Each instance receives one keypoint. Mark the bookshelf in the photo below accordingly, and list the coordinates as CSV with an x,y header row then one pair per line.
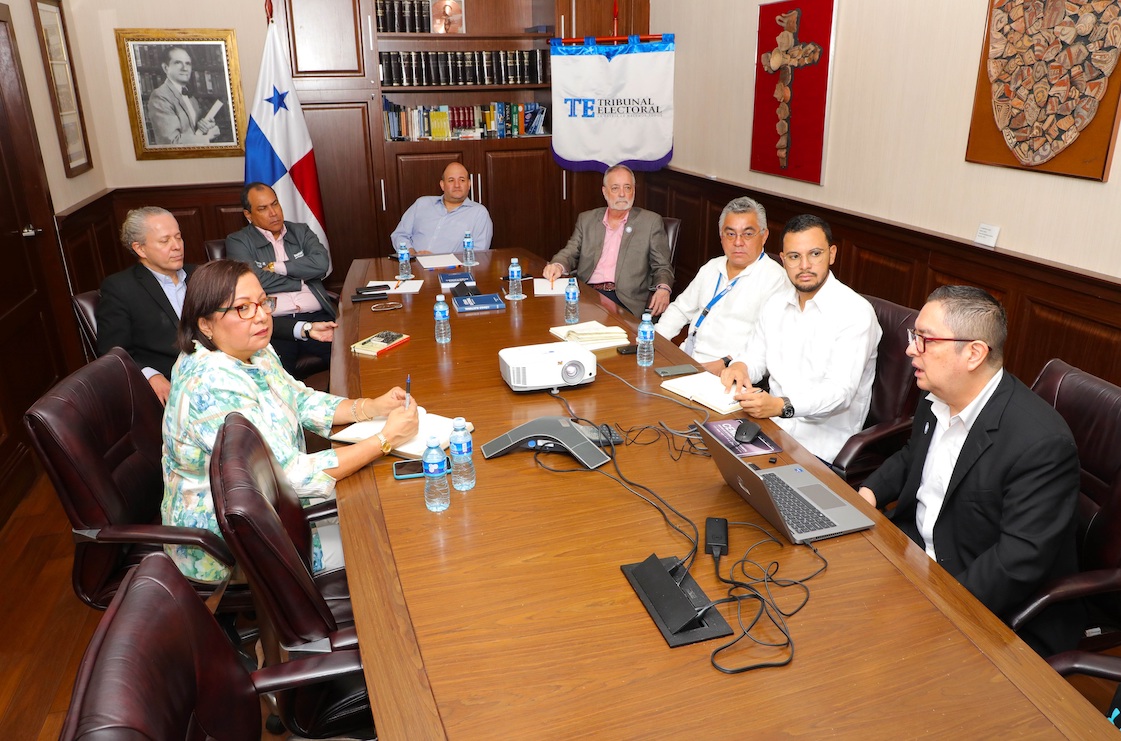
x,y
481,98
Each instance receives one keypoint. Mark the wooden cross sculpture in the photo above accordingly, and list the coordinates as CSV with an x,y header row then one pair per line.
x,y
788,55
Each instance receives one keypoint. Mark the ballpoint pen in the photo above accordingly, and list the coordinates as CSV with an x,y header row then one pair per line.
x,y
398,284
408,388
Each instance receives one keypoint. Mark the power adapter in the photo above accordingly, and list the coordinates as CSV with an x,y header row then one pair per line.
x,y
716,536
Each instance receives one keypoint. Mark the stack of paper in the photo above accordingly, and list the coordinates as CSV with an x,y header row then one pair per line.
x,y
591,335
545,287
430,424
704,388
431,262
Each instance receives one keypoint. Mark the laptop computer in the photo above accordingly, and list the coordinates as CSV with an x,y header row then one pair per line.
x,y
791,498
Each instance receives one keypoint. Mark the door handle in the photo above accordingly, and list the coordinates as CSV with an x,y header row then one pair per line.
x,y
28,231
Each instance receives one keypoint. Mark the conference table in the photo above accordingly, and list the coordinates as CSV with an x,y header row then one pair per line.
x,y
508,616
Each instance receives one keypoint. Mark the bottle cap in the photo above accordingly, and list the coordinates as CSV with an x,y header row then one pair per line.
x,y
646,317
440,298
459,422
433,441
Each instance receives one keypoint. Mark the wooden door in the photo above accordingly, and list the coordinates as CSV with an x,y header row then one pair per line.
x,y
33,332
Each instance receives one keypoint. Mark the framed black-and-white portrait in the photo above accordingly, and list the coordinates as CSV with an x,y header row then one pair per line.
x,y
183,88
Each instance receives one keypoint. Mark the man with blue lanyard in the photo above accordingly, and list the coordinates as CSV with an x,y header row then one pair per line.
x,y
720,306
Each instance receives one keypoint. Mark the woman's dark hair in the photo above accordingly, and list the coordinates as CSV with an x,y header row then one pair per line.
x,y
209,288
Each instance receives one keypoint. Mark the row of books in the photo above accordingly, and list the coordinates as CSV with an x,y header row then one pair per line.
x,y
495,120
403,16
434,68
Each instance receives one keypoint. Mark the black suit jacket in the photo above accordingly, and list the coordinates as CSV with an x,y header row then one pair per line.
x,y
308,260
1008,522
133,313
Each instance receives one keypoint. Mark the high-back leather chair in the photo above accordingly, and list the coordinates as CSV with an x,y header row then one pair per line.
x,y
159,667
267,529
85,308
1092,409
98,436
215,249
673,230
894,398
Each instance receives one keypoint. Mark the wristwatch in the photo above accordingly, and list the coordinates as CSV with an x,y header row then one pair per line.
x,y
787,408
386,446
307,330
727,360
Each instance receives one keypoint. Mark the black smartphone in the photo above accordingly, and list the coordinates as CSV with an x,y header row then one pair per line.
x,y
675,370
410,469
627,350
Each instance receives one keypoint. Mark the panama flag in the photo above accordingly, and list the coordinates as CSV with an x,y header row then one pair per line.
x,y
277,145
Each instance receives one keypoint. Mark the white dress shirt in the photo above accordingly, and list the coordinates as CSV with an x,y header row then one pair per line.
x,y
726,328
822,358
942,456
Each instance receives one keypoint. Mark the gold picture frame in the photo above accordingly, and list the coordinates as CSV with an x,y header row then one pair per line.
x,y
65,100
205,116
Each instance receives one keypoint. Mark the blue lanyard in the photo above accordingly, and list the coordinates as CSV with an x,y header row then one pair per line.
x,y
717,295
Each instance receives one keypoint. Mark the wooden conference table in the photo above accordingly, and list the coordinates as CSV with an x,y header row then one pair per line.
x,y
507,616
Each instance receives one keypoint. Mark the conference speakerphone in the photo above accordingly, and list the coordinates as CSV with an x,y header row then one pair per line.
x,y
561,432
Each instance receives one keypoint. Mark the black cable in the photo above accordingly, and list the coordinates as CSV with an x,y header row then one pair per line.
x,y
760,588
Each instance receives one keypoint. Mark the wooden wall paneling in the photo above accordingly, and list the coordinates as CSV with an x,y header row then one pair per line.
x,y
521,188
347,165
693,249
191,226
882,268
594,17
229,219
326,37
1052,330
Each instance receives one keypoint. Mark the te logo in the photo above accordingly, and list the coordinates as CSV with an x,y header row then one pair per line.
x,y
587,107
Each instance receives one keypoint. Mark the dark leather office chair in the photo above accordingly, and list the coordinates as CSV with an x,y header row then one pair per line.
x,y
158,667
673,230
85,308
1092,410
267,529
894,398
98,436
215,249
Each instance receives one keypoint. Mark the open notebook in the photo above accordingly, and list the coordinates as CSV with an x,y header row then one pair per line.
x,y
703,388
591,335
430,424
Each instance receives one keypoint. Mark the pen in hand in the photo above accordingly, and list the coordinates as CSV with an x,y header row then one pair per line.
x,y
408,388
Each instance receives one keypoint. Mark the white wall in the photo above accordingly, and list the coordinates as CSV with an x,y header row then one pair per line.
x,y
90,24
900,102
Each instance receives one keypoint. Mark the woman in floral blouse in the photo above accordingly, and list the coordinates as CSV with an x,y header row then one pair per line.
x,y
227,366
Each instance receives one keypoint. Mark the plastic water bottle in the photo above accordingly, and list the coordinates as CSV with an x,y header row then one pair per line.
x,y
463,468
437,496
405,268
443,326
571,302
468,250
515,289
646,342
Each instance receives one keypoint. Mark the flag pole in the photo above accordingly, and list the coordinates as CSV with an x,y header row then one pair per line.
x,y
268,11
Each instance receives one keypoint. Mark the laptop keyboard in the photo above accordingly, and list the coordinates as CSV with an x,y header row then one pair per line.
x,y
800,516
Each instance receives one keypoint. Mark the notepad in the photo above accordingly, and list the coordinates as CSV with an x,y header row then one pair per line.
x,y
703,388
541,287
430,425
591,335
431,262
407,286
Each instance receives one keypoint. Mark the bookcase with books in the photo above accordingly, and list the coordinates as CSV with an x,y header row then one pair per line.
x,y
470,81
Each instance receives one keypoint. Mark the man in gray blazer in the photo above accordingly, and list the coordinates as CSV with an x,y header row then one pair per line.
x,y
620,251
174,113
291,264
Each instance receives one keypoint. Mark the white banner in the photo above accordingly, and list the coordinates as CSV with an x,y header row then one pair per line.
x,y
613,104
